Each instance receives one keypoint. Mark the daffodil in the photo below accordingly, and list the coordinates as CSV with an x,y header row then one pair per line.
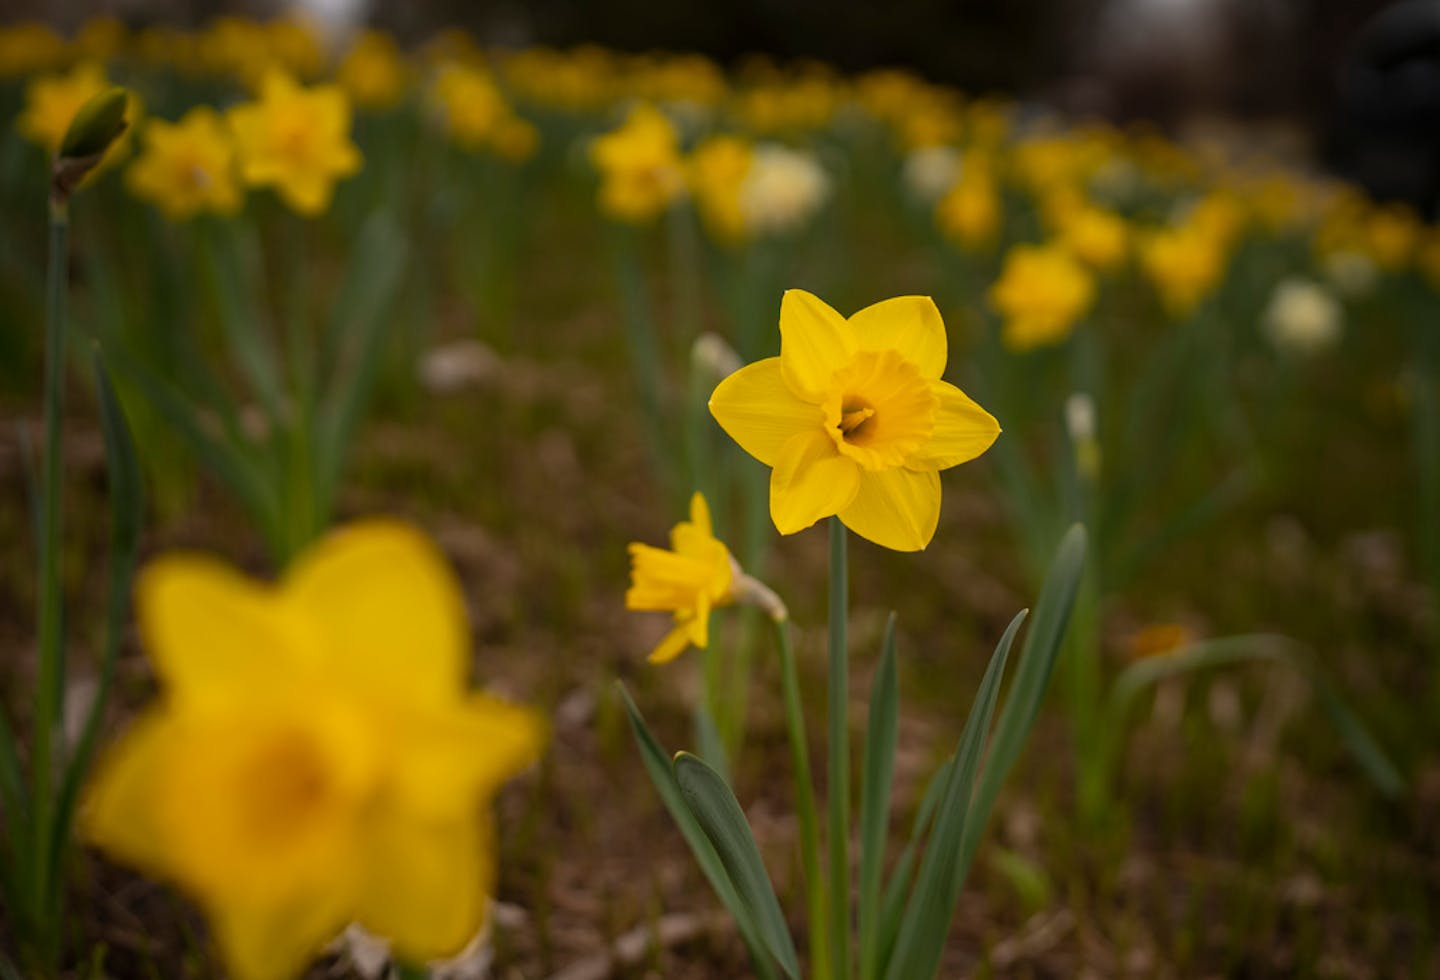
x,y
1041,292
373,72
187,167
641,171
296,140
316,757
970,212
1095,236
1185,264
690,579
854,418
473,111
717,170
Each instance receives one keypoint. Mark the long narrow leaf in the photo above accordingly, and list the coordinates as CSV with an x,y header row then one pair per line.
x,y
241,320
224,460
657,764
360,317
720,816
1032,677
897,889
879,769
926,923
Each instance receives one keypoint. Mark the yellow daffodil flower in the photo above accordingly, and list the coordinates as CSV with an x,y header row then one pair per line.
x,y
970,212
1095,236
187,167
717,171
474,113
296,140
1185,265
316,757
1041,292
373,72
693,577
641,171
51,103
854,418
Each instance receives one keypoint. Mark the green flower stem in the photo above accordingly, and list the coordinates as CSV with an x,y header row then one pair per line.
x,y
838,791
51,680
804,804
409,971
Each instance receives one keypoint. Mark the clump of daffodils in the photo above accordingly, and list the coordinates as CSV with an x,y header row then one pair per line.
x,y
187,168
782,190
855,419
694,576
641,171
1042,291
296,140
1303,317
317,757
476,115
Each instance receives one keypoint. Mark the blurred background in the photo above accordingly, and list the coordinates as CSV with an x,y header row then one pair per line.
x,y
1351,84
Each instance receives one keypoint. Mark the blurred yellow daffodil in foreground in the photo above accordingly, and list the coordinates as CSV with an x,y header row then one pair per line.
x,y
187,167
296,140
854,418
316,757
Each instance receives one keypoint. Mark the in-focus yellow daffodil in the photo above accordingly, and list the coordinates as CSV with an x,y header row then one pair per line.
x,y
296,140
316,757
1041,292
187,167
690,579
641,171
373,72
854,418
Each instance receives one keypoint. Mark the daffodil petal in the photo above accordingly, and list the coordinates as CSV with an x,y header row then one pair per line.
x,y
116,813
897,509
963,430
909,325
390,608
274,940
815,342
700,514
427,885
757,408
811,481
676,642
247,637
